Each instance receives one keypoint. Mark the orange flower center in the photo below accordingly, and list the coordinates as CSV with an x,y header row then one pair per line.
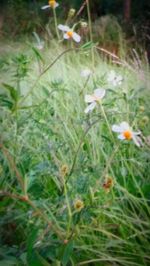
x,y
52,3
127,134
96,98
70,34
108,184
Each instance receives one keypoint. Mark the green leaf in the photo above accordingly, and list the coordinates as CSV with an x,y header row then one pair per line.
x,y
87,45
42,260
31,240
6,102
8,262
37,54
12,91
67,253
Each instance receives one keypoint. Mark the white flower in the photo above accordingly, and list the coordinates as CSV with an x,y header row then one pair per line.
x,y
114,79
69,33
51,3
86,73
94,99
126,133
40,46
39,43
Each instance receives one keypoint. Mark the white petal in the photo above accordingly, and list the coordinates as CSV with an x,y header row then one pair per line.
x,y
136,133
124,126
76,37
121,136
116,128
119,78
137,140
66,36
111,75
45,7
63,27
56,5
86,73
90,107
100,93
89,98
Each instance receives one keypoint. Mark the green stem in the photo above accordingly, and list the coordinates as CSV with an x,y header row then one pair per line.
x,y
84,86
105,117
109,161
90,28
56,24
79,146
43,72
69,210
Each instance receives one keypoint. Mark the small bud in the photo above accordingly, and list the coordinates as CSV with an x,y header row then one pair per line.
x,y
71,13
66,241
83,24
141,108
78,205
145,119
64,170
108,184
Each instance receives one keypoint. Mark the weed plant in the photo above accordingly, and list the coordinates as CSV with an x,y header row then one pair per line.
x,y
71,192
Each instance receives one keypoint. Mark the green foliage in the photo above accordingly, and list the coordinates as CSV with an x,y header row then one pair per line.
x,y
71,192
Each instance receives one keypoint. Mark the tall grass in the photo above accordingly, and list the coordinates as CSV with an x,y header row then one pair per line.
x,y
52,155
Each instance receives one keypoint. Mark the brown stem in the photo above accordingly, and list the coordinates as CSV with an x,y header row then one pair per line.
x,y
39,212
13,166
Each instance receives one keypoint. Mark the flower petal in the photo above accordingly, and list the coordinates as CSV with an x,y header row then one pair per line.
x,y
76,37
45,7
90,107
86,73
121,136
66,36
116,128
136,133
137,140
100,93
56,5
124,126
111,76
63,27
89,98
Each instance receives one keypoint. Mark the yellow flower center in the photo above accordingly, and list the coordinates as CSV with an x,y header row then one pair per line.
x,y
52,3
70,34
127,134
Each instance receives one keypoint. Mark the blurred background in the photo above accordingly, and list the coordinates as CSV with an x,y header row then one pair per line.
x,y
114,21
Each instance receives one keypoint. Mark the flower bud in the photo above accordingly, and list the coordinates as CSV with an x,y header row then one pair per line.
x,y
71,13
83,24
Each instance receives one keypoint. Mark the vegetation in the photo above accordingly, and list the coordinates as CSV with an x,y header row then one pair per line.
x,y
71,191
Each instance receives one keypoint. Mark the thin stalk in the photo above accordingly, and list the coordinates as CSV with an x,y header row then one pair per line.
x,y
39,212
106,120
79,146
84,86
90,29
56,24
69,210
43,72
110,160
13,167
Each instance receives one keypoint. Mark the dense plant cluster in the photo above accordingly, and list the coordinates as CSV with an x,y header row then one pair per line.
x,y
74,147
